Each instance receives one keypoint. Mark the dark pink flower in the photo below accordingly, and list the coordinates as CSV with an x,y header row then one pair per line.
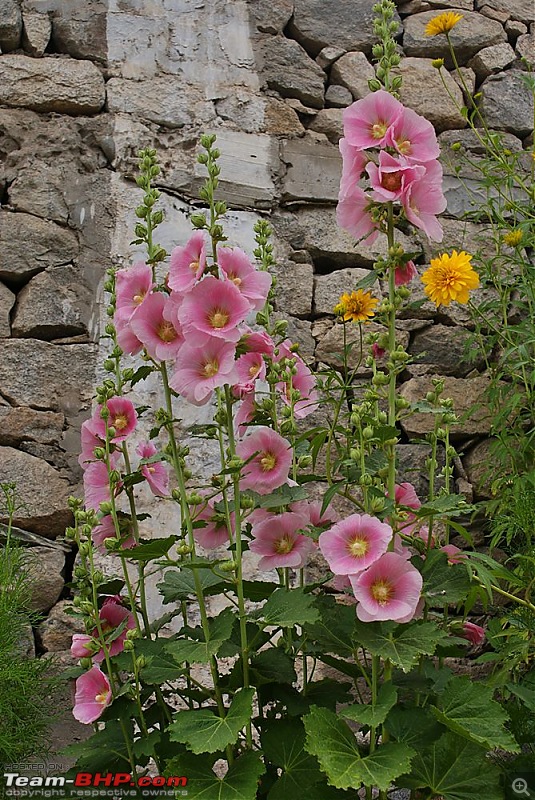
x,y
213,308
353,163
269,458
246,411
353,215
254,284
126,338
151,324
414,137
389,589
106,530
404,273
96,485
354,543
215,533
256,341
474,633
311,511
405,495
369,122
249,368
90,441
112,615
199,369
187,263
377,351
122,418
391,177
279,542
155,473
93,694
82,646
132,285
455,554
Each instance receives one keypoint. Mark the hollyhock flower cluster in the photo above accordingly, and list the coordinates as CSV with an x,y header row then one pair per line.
x,y
385,584
278,539
112,615
394,151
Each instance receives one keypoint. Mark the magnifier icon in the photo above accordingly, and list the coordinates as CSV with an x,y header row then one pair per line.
x,y
520,786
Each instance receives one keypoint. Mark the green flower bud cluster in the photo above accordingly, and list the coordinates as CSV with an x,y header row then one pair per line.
x,y
385,51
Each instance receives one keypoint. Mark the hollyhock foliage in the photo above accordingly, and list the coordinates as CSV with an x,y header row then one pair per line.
x,y
278,540
354,543
268,456
92,696
388,590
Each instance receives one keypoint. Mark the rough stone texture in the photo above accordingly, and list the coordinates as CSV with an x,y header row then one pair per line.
x,y
329,121
45,567
525,48
338,97
25,645
411,461
165,101
477,462
57,630
288,69
465,393
469,79
494,13
328,56
10,25
51,84
329,288
34,245
80,29
462,235
522,10
40,189
443,350
53,304
41,493
515,28
313,171
316,24
300,331
280,119
471,34
330,346
7,300
25,424
271,16
418,72
36,33
492,59
67,368
294,290
353,71
507,103
315,230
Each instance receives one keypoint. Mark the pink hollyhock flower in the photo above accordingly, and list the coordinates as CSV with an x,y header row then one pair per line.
x,y
249,368
213,308
341,583
353,163
112,615
187,263
455,554
474,633
414,137
106,530
377,351
151,324
199,369
256,341
131,287
424,199
353,215
254,284
96,485
303,381
122,418
279,543
90,441
404,273
154,473
405,495
82,646
126,338
311,510
216,531
354,543
389,589
369,122
269,456
246,411
391,178
93,694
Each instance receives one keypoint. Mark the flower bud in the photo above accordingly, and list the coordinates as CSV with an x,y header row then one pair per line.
x,y
437,63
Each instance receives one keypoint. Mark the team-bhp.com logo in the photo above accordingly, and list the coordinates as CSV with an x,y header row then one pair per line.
x,y
87,784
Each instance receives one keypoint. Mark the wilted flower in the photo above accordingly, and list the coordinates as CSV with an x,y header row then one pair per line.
x,y
474,633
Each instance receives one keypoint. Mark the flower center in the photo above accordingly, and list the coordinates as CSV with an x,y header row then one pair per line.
x,y
234,278
268,462
283,545
404,146
218,318
194,266
358,547
120,422
138,298
391,181
382,591
254,370
101,698
446,276
379,129
211,368
166,332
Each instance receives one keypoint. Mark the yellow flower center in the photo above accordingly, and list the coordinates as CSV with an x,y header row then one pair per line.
x,y
357,306
138,298
283,545
268,462
211,368
194,266
379,129
218,318
382,591
166,332
254,370
101,698
234,278
358,547
120,422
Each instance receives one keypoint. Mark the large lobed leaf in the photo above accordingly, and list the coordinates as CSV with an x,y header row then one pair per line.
x,y
400,644
206,732
240,782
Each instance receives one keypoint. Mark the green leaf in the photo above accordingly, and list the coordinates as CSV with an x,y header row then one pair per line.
x,y
328,496
240,782
160,667
286,608
468,709
334,745
368,280
179,584
141,374
445,504
206,732
334,629
327,693
444,583
257,590
373,714
272,666
415,726
283,743
155,548
454,769
200,652
401,644
104,751
282,497
526,694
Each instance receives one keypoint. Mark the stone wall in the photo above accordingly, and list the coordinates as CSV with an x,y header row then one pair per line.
x,y
84,85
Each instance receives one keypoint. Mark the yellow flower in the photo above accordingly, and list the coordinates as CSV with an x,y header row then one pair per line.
x,y
450,278
513,238
443,23
357,306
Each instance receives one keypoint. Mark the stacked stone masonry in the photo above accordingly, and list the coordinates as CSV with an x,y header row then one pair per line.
x,y
84,85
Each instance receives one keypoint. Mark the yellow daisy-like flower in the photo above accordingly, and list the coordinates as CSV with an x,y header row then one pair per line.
x,y
513,238
443,23
450,278
358,306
